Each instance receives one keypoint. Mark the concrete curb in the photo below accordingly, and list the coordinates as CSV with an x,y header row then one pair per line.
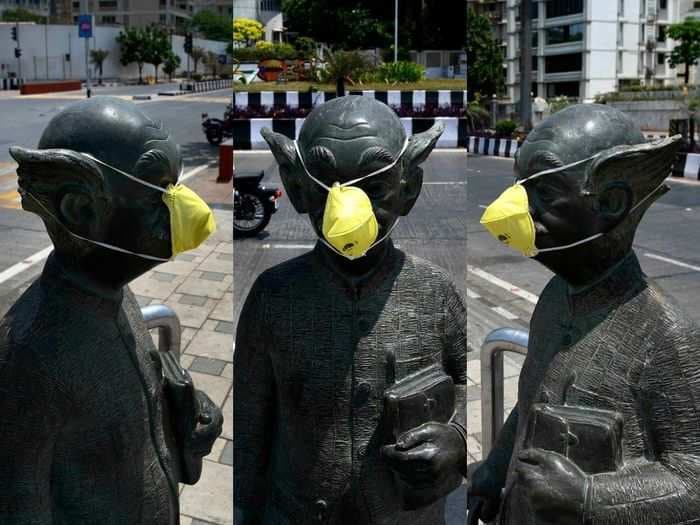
x,y
246,132
492,146
307,99
9,83
206,85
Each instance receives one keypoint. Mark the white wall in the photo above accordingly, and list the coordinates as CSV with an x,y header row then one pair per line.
x,y
40,42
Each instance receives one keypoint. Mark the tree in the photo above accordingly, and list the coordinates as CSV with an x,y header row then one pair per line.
x,y
342,66
21,15
198,53
485,73
687,51
247,31
133,42
172,62
211,25
157,46
97,57
212,60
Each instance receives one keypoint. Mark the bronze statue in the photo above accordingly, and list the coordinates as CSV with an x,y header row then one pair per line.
x,y
89,432
350,369
606,427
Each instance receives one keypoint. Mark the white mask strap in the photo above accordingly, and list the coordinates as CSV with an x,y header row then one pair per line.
x,y
375,243
559,168
353,181
135,179
98,243
554,248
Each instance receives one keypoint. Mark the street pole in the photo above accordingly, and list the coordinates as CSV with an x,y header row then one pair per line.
x,y
396,31
19,59
525,65
88,90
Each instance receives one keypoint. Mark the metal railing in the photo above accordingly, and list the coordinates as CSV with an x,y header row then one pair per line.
x,y
496,343
166,321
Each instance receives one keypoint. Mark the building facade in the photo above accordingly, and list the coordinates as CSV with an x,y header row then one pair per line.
x,y
582,48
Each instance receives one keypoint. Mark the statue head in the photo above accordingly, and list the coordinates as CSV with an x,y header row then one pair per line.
x,y
71,183
346,139
615,175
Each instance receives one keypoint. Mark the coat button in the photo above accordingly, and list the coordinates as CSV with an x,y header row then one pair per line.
x,y
362,392
320,507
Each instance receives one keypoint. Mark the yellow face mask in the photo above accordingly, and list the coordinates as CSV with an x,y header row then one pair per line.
x,y
349,226
191,219
508,218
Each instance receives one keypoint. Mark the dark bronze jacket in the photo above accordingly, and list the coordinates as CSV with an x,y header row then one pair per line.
x,y
310,370
621,344
83,439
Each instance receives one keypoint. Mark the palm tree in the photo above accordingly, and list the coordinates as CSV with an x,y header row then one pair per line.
x,y
342,66
198,54
98,56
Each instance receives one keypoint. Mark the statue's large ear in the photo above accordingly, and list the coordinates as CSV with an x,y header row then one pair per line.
x,y
623,176
291,172
419,147
62,185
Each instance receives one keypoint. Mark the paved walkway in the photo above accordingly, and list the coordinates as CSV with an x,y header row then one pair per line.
x,y
198,285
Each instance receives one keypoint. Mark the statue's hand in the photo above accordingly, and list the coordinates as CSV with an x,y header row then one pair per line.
x,y
209,425
427,455
483,491
555,486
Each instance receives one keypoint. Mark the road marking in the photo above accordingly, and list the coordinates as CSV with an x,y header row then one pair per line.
x,y
515,290
194,171
483,206
288,246
471,294
43,254
25,264
504,313
672,261
460,183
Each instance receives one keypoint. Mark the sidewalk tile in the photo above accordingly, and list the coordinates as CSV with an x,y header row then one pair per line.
x,y
224,247
163,276
474,448
213,276
178,267
196,300
208,343
228,371
211,499
473,416
205,287
150,287
215,387
185,520
225,327
212,264
207,365
227,454
228,418
191,315
224,309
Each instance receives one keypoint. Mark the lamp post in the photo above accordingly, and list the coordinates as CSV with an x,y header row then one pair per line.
x,y
396,31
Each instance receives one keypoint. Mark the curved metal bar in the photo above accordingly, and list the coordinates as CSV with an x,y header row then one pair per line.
x,y
496,342
166,321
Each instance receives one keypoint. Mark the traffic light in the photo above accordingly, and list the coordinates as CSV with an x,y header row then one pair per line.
x,y
14,33
18,52
188,43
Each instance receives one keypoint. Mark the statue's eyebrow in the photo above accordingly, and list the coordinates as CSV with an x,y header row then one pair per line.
x,y
375,153
321,154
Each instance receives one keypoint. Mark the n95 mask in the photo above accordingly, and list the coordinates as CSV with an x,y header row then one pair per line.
x,y
191,219
350,227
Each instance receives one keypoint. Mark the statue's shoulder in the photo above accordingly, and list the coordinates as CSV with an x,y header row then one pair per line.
x,y
428,272
287,272
668,314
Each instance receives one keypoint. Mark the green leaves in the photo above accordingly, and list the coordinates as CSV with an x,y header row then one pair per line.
x,y
212,26
687,51
485,73
247,31
144,45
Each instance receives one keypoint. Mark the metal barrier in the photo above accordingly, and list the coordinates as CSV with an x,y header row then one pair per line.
x,y
166,321
497,342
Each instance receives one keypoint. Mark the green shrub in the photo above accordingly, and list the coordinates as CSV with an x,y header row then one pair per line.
x,y
402,72
346,65
505,128
197,77
558,103
264,52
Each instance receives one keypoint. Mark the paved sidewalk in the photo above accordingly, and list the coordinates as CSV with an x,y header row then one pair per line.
x,y
198,285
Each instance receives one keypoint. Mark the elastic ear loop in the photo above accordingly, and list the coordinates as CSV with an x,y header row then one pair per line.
x,y
592,237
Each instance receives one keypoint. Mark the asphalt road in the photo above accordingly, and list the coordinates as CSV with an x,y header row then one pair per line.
x,y
22,120
666,244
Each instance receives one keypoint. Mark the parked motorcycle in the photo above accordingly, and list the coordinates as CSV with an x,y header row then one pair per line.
x,y
217,129
253,204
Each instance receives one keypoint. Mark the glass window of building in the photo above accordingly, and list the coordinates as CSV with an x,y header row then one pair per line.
x,y
534,38
662,4
569,62
563,34
564,7
661,34
566,89
661,59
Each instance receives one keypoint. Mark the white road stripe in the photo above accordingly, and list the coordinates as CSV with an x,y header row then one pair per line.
x,y
39,256
460,183
471,294
515,290
288,246
25,264
194,172
672,261
504,313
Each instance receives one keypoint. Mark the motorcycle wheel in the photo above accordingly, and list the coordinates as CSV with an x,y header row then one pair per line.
x,y
251,217
215,135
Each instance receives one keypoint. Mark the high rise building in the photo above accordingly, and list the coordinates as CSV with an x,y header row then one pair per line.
x,y
585,47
